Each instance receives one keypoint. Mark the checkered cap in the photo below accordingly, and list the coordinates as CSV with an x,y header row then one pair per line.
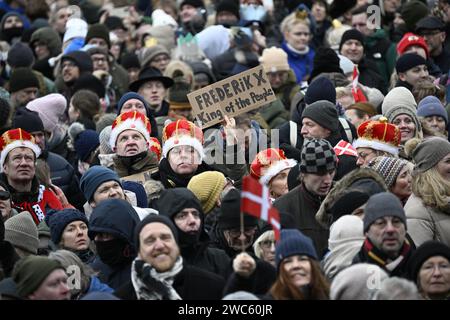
x,y
317,157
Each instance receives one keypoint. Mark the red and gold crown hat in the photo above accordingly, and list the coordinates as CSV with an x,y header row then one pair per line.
x,y
131,120
155,147
182,133
379,135
268,163
16,138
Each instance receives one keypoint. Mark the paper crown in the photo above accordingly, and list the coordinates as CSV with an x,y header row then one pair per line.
x,y
268,163
182,133
155,147
16,138
379,135
131,120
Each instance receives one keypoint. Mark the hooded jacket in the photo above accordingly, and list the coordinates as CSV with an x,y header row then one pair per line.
x,y
194,249
50,37
323,215
111,218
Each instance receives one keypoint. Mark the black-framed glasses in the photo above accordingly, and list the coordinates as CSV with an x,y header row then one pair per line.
x,y
4,195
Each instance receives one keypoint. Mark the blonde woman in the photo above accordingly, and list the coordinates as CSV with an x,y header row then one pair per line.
x,y
297,35
264,247
428,208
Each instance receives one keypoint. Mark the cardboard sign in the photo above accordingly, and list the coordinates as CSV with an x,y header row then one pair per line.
x,y
241,93
140,177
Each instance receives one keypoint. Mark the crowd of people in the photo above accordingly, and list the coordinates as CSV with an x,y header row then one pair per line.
x,y
110,188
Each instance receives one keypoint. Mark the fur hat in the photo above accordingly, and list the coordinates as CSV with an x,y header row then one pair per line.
x,y
130,120
378,135
50,108
207,187
21,232
268,163
16,138
182,133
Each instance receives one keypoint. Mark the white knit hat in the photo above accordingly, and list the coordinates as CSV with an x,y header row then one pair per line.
x,y
75,28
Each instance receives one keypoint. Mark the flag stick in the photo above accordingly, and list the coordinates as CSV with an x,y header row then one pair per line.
x,y
242,231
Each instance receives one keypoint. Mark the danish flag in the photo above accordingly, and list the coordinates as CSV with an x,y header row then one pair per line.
x,y
357,93
255,201
343,147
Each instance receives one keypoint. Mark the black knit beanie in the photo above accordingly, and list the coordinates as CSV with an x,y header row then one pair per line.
x,y
409,61
98,31
423,253
320,89
22,78
81,59
230,212
28,120
152,218
89,82
351,34
228,6
325,60
130,60
324,113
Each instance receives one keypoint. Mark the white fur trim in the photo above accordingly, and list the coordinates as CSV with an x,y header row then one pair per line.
x,y
276,169
126,125
183,140
18,144
377,145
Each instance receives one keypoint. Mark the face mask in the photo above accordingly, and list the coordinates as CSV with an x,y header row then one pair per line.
x,y
114,252
11,33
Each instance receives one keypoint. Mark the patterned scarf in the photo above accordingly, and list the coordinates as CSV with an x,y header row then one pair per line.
x,y
150,284
381,258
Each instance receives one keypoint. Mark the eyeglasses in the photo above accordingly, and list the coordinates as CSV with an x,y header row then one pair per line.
x,y
234,233
4,195
267,243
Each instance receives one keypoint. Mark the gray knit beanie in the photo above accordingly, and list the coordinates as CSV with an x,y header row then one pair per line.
x,y
384,204
104,136
324,113
105,120
21,232
150,53
429,152
396,98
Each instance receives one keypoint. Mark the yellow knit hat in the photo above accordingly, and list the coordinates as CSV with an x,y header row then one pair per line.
x,y
207,187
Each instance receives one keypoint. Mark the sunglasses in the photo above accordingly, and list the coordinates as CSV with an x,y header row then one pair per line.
x,y
4,195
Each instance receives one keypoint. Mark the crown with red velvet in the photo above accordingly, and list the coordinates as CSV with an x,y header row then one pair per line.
x,y
155,147
268,163
16,138
131,120
379,135
182,133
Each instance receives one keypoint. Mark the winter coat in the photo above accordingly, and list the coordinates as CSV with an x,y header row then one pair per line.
x,y
288,90
323,215
8,258
370,76
126,166
122,227
273,114
303,206
426,223
302,65
64,176
340,257
191,284
37,201
383,52
194,249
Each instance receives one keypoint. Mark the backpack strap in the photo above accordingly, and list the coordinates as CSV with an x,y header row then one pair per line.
x,y
293,133
348,131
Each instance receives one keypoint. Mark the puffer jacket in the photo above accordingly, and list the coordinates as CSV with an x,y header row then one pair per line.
x,y
426,223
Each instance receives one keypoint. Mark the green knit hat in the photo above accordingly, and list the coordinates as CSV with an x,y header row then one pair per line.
x,y
30,272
